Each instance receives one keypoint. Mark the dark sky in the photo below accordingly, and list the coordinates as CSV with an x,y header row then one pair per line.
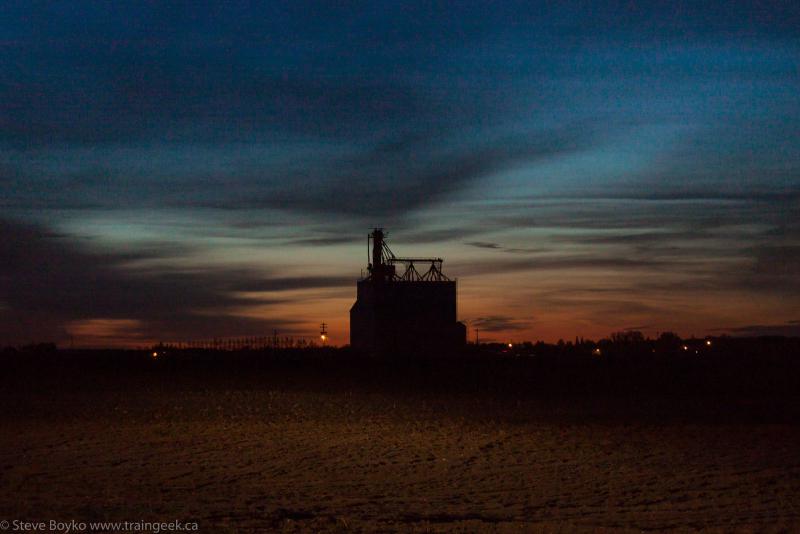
x,y
185,170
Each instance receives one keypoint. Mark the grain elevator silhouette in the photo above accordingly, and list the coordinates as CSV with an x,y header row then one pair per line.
x,y
406,313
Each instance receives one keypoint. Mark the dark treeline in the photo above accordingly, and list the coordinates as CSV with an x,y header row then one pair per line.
x,y
624,363
711,379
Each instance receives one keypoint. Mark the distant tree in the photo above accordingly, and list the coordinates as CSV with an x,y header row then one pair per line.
x,y
39,347
627,337
668,341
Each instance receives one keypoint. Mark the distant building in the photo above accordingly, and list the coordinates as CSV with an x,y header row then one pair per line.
x,y
409,313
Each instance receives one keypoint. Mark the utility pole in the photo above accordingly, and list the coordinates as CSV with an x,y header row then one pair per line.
x,y
323,333
476,337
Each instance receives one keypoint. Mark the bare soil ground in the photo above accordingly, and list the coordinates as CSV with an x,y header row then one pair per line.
x,y
247,454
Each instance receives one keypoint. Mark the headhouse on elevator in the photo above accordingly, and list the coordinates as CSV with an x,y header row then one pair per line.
x,y
404,313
